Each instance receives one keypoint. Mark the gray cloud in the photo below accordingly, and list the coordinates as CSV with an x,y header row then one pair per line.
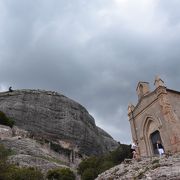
x,y
94,52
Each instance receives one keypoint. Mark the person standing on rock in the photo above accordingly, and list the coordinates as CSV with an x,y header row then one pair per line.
x,y
133,150
10,89
160,148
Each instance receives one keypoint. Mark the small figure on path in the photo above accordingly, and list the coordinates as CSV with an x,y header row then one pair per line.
x,y
10,89
133,150
160,148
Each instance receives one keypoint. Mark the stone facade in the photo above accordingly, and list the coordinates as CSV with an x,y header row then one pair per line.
x,y
155,117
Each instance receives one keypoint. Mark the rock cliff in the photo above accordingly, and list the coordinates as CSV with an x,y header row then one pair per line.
x,y
50,116
150,168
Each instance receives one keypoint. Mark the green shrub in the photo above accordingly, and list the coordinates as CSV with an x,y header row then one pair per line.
x,y
4,152
155,165
155,161
4,120
122,152
90,162
90,168
6,171
12,172
3,157
60,174
105,166
59,149
27,174
89,174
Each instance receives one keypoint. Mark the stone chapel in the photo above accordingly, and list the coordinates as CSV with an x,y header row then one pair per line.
x,y
155,117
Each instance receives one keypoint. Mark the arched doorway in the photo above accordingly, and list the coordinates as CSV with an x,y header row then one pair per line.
x,y
155,136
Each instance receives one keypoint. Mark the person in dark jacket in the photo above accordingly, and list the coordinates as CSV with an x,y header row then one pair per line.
x,y
10,89
160,148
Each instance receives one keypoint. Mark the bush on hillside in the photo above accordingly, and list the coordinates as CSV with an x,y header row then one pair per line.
x,y
89,174
4,153
3,158
105,165
60,174
12,172
90,168
90,162
27,174
122,152
4,120
59,149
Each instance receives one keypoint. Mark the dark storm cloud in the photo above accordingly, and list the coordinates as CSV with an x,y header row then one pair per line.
x,y
92,51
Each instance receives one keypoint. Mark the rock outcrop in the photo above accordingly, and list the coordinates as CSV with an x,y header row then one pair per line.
x,y
52,117
29,153
152,168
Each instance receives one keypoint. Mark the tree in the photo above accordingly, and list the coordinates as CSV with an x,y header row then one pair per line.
x,y
27,174
60,174
12,172
4,120
90,168
89,174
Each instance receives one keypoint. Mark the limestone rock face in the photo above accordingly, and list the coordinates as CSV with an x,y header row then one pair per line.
x,y
5,131
151,168
29,153
52,116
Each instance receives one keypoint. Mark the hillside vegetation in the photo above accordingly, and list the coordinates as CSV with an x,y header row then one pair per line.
x,y
12,172
90,167
4,120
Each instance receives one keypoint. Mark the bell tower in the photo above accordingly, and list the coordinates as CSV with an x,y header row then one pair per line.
x,y
142,89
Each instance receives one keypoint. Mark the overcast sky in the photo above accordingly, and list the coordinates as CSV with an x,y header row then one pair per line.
x,y
93,51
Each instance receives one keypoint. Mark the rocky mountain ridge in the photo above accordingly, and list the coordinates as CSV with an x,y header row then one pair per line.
x,y
53,117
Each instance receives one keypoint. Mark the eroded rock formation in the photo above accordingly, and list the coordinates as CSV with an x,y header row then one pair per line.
x,y
152,168
53,117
